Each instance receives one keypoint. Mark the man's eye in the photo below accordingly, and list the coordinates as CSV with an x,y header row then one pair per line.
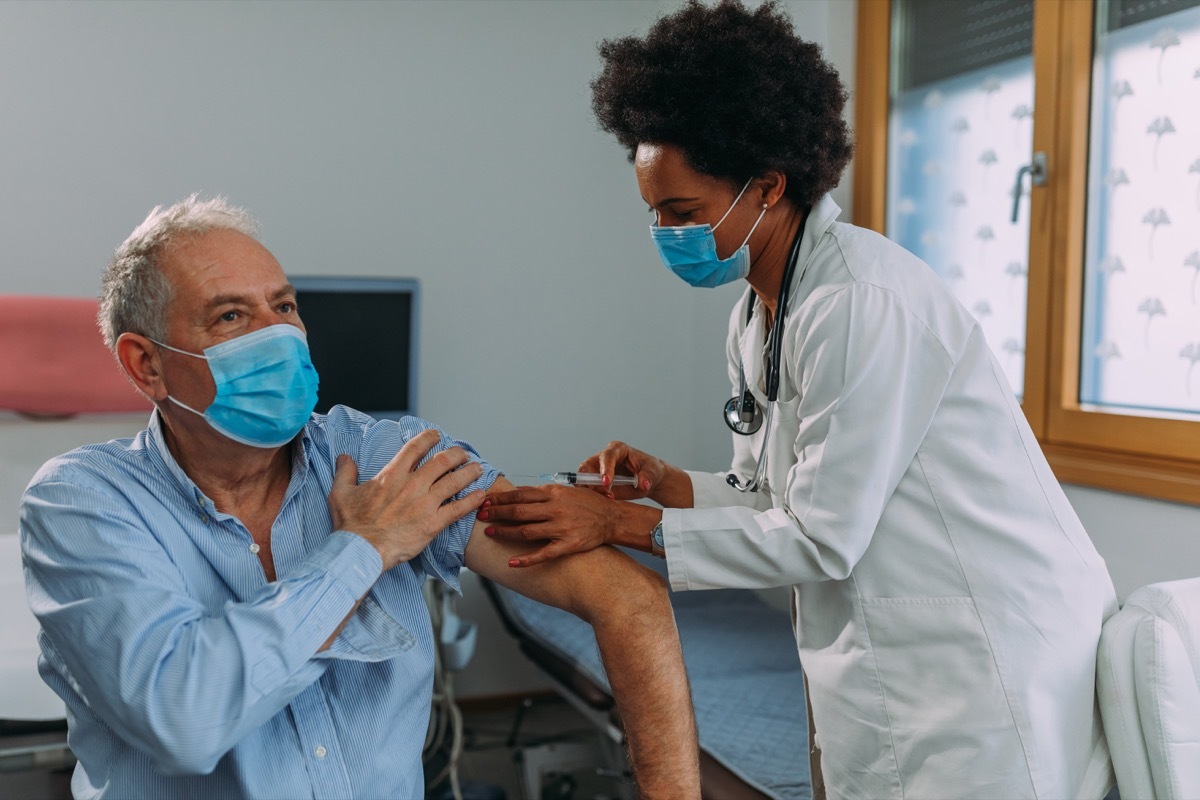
x,y
287,307
229,316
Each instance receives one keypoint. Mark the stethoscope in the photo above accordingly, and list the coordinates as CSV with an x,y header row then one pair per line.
x,y
742,413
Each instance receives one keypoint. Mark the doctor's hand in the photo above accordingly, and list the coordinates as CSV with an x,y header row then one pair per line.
x,y
407,503
568,519
666,485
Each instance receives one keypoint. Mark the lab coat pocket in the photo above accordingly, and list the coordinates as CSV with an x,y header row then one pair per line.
x,y
952,730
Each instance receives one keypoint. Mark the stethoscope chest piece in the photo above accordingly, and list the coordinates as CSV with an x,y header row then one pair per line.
x,y
743,414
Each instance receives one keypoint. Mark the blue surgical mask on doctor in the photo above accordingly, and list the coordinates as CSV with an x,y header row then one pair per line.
x,y
690,251
266,385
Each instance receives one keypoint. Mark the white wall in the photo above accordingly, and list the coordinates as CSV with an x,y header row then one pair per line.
x,y
450,141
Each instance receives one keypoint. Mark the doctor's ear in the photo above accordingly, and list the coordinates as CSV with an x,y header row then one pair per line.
x,y
769,188
139,360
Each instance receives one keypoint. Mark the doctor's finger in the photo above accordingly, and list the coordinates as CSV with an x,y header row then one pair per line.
x,y
525,494
540,556
529,532
519,512
617,459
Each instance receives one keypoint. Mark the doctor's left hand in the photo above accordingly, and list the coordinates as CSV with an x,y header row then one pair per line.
x,y
568,519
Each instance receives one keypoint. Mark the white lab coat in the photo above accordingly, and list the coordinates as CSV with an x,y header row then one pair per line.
x,y
947,603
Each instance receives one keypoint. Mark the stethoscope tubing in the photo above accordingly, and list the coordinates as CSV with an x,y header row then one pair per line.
x,y
774,367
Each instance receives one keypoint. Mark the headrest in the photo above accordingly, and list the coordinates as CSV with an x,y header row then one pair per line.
x,y
53,361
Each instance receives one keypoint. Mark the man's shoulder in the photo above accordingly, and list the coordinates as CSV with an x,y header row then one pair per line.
x,y
96,464
342,422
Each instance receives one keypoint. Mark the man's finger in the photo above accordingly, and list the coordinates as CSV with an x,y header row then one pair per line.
x,y
345,474
454,482
407,458
457,509
443,464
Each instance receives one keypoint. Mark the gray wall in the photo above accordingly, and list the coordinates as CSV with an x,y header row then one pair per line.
x,y
449,141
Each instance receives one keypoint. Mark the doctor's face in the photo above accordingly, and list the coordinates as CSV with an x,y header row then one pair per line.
x,y
677,195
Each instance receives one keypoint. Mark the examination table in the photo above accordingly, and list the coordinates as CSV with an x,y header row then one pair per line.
x,y
747,686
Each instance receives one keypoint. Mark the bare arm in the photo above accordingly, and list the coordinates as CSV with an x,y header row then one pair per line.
x,y
627,606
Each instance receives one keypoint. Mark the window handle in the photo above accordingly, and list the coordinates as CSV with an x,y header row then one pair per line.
x,y
1037,175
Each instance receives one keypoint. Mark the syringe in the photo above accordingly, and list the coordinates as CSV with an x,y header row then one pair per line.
x,y
588,479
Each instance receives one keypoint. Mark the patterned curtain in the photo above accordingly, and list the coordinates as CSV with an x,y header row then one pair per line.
x,y
1141,333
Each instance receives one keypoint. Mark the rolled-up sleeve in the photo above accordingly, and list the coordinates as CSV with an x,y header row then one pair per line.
x,y
444,557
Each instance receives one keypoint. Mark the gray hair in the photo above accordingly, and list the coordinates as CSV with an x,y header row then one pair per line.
x,y
134,292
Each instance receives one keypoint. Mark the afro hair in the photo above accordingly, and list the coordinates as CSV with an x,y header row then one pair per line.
x,y
735,90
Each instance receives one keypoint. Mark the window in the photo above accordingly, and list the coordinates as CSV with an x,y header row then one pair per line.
x,y
1043,156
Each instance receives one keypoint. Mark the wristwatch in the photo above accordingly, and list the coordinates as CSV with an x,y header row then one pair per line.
x,y
657,546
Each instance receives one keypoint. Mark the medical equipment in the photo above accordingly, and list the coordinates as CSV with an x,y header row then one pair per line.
x,y
589,479
742,413
580,478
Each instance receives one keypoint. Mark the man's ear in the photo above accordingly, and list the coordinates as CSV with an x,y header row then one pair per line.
x,y
139,358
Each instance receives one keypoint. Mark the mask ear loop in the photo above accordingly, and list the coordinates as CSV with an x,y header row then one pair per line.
x,y
734,204
186,353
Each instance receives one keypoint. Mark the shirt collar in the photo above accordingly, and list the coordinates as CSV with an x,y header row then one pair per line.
x,y
167,463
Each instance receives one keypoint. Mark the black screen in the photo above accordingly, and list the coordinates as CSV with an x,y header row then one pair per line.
x,y
362,337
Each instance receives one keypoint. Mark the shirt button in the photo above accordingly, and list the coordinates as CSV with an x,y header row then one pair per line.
x,y
320,751
254,548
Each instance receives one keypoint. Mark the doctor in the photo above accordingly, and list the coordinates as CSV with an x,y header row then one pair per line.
x,y
947,602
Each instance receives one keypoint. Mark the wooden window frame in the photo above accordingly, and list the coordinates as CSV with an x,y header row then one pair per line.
x,y
1148,456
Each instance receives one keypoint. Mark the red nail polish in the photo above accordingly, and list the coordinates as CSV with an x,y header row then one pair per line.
x,y
490,531
483,514
514,562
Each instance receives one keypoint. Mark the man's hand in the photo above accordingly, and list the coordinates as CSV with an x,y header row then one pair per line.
x,y
404,507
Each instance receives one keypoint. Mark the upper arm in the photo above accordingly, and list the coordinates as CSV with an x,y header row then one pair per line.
x,y
583,583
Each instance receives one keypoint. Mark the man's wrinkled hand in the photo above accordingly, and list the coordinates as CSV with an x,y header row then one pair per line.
x,y
405,506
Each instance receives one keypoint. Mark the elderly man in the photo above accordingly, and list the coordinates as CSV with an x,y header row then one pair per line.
x,y
231,601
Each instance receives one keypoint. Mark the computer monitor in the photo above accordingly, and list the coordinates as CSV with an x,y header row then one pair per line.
x,y
362,333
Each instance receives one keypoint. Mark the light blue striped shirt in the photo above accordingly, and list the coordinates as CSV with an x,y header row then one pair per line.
x,y
186,674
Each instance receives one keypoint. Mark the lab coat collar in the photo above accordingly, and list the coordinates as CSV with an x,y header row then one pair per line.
x,y
753,337
819,220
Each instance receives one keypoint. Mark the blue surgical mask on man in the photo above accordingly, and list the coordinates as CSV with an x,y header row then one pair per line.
x,y
266,386
690,251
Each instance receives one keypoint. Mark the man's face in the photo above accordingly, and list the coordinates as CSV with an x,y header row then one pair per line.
x,y
225,285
